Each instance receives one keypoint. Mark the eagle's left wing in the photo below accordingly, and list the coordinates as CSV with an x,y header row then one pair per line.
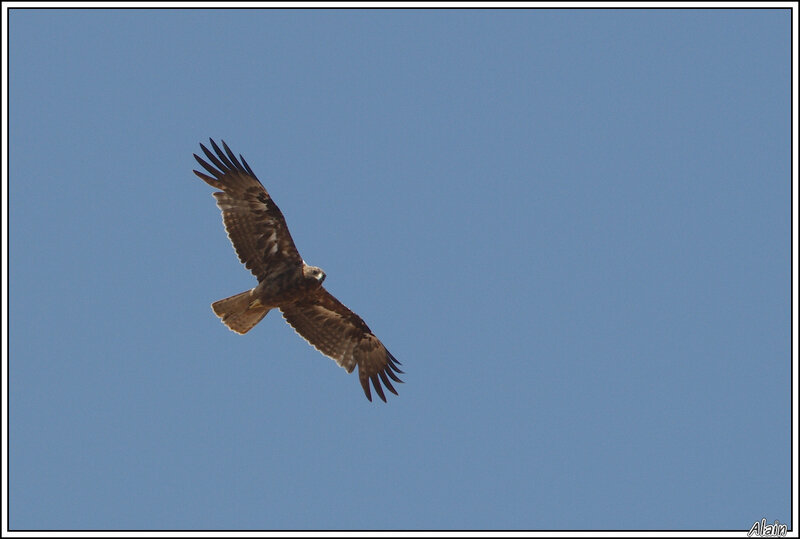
x,y
255,224
342,335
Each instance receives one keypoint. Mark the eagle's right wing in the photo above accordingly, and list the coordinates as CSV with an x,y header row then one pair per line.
x,y
342,335
254,223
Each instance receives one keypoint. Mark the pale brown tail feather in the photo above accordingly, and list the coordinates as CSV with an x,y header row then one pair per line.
x,y
237,314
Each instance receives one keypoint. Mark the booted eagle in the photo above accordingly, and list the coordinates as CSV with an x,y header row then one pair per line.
x,y
259,235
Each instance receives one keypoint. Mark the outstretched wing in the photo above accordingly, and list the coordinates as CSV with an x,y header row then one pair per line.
x,y
254,223
342,335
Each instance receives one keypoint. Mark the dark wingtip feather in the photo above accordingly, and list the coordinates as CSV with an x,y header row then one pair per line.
x,y
211,170
365,384
246,166
393,363
392,375
377,384
224,160
386,382
384,375
213,158
208,179
232,157
221,155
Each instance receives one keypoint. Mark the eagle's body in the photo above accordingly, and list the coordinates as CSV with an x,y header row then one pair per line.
x,y
275,292
258,232
289,286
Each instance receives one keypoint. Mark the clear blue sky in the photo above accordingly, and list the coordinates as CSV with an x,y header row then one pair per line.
x,y
571,227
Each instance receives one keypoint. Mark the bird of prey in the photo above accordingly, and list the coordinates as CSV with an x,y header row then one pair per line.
x,y
261,239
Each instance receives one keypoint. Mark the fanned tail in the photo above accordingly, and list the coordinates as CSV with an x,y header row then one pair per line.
x,y
237,313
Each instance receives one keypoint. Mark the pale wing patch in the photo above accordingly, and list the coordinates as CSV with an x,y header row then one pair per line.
x,y
322,329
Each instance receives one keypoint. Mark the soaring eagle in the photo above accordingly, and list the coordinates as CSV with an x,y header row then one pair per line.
x,y
259,235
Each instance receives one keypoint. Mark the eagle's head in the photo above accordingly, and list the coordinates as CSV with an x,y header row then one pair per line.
x,y
313,272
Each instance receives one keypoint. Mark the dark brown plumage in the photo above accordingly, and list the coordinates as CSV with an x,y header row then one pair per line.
x,y
261,239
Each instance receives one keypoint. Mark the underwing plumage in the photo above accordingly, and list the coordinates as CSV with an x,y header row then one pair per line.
x,y
261,239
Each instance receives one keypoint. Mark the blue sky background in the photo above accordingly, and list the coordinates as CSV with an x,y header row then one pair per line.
x,y
571,227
